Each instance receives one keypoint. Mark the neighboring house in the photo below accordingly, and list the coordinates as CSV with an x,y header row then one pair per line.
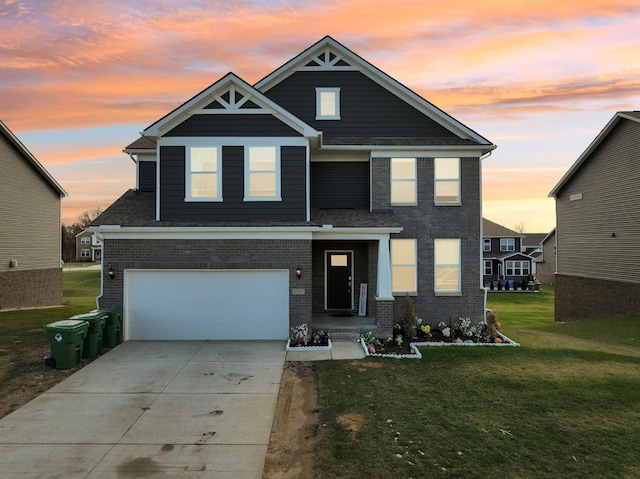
x,y
598,226
88,246
532,244
30,235
546,262
503,256
326,187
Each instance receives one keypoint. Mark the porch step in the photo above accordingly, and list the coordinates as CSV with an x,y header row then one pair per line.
x,y
344,335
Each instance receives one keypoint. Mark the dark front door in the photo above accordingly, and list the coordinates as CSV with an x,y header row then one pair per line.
x,y
339,280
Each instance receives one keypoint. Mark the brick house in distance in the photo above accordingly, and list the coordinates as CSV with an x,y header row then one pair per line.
x,y
598,226
30,235
326,187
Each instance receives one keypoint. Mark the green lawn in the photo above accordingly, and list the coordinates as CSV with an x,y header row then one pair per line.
x,y
24,344
564,405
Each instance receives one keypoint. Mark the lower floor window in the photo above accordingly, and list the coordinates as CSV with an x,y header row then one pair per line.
x,y
404,266
517,268
85,253
447,265
488,268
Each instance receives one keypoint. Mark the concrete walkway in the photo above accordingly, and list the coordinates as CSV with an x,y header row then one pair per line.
x,y
174,409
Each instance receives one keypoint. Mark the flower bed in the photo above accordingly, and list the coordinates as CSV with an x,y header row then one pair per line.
x,y
302,338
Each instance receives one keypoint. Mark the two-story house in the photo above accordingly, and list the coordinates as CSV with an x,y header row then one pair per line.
x,y
503,256
327,186
30,239
88,246
598,226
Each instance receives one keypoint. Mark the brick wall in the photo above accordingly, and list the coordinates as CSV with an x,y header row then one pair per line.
x,y
579,298
31,289
123,254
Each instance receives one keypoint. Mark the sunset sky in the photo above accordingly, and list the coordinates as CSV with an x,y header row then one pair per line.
x,y
79,79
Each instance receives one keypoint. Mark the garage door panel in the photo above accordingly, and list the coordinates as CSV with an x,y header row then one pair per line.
x,y
189,305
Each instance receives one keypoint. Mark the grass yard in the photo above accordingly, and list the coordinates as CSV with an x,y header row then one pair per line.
x,y
24,344
565,404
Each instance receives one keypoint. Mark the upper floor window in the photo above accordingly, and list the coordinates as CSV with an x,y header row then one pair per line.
x,y
404,266
507,244
327,103
403,181
447,180
447,265
204,178
85,240
487,244
262,173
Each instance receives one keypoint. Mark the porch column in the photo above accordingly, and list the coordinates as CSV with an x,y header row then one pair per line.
x,y
384,292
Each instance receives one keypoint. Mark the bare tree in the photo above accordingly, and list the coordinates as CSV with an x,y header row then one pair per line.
x,y
519,228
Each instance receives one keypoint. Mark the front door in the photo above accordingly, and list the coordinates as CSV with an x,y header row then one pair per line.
x,y
339,274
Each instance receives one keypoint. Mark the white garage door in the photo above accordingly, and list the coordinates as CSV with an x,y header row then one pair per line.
x,y
190,305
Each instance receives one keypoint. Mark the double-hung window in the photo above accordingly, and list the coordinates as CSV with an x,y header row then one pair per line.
x,y
204,175
85,240
487,244
327,103
447,181
507,244
517,268
447,266
488,267
404,266
403,181
262,173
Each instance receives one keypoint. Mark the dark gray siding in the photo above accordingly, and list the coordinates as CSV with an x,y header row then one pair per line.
x,y
609,181
340,185
233,208
367,109
232,125
147,175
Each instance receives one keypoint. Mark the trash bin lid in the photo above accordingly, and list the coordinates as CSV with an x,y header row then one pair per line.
x,y
91,316
67,324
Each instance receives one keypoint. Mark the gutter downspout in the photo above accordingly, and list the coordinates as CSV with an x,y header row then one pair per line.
x,y
484,313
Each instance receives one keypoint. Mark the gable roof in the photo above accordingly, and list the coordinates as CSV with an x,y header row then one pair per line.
x,y
328,54
533,239
494,230
32,159
619,116
242,97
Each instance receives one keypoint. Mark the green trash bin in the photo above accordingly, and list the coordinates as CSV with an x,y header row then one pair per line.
x,y
113,328
93,340
67,340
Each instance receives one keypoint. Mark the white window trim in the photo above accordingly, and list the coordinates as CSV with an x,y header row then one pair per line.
x,y
506,245
486,241
187,176
319,92
490,269
85,240
85,253
413,180
520,267
437,180
247,175
414,265
458,265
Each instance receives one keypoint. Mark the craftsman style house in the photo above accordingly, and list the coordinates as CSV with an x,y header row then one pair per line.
x,y
30,239
598,226
504,259
327,186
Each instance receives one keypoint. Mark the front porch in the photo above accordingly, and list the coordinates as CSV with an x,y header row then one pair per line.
x,y
343,327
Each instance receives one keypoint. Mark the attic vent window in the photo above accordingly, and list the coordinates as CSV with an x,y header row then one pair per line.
x,y
577,196
327,103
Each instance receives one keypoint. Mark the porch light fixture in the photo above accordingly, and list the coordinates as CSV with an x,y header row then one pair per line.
x,y
111,272
299,272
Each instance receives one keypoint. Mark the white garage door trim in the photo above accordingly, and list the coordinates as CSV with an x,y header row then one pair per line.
x,y
180,304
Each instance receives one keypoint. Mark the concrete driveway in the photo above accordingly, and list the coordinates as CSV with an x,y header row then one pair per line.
x,y
151,409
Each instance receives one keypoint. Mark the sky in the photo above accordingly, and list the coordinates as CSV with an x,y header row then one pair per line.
x,y
79,79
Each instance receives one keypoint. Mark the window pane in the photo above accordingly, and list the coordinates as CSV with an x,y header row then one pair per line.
x,y
447,251
204,159
204,185
262,159
447,191
328,103
262,184
403,168
447,278
403,192
447,168
404,278
339,260
403,251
